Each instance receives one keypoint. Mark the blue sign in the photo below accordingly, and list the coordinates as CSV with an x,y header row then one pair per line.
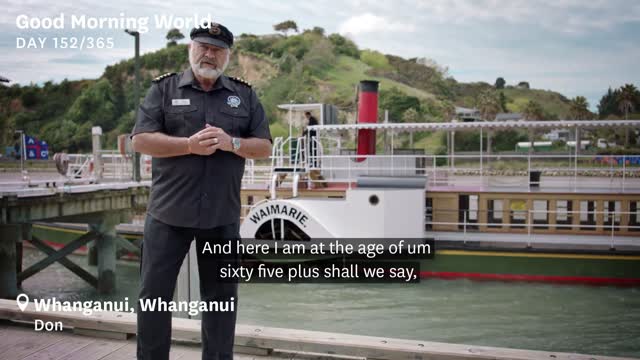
x,y
36,149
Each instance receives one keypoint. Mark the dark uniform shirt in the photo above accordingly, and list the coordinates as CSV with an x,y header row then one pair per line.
x,y
193,190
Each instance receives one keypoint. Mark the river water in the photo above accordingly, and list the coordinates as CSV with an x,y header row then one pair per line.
x,y
566,318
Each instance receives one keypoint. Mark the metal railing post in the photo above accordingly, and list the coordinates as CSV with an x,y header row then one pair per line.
x,y
349,172
613,221
465,226
529,171
529,228
434,158
624,170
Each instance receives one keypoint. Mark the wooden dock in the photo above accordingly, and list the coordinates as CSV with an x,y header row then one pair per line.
x,y
111,335
20,342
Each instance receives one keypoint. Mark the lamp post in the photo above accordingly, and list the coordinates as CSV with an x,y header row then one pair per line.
x,y
136,95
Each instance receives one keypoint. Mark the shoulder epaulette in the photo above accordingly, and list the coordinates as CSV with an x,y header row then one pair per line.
x,y
163,76
240,80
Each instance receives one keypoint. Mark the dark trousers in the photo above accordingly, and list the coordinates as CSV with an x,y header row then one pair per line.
x,y
163,249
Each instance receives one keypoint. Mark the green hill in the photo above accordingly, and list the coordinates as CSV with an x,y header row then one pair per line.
x,y
309,67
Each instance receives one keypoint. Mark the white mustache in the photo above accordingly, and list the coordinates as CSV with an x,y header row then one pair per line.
x,y
209,61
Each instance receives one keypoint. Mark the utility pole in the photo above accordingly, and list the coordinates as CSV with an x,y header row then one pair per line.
x,y
136,95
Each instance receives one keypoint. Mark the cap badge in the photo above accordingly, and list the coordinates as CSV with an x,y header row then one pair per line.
x,y
214,29
233,101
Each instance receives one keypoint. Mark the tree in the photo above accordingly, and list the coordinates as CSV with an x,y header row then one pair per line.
x,y
344,46
524,85
500,83
173,36
533,111
286,26
503,102
94,106
608,103
628,95
430,63
626,98
579,108
410,116
489,105
318,30
397,102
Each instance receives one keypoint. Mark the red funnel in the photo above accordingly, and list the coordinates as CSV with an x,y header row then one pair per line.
x,y
367,113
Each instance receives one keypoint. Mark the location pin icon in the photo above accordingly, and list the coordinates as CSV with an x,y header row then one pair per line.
x,y
23,301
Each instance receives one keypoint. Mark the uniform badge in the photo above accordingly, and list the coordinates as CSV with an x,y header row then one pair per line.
x,y
214,29
233,101
180,102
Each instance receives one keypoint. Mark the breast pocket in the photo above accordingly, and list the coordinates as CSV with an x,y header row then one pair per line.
x,y
176,119
234,121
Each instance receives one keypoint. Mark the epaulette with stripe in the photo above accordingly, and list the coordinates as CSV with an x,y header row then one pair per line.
x,y
163,76
239,80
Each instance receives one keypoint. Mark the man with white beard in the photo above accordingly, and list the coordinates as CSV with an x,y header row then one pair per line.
x,y
199,126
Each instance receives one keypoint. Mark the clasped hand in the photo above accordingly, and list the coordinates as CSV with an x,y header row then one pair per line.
x,y
208,140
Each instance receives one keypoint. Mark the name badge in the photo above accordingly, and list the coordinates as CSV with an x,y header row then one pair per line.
x,y
180,102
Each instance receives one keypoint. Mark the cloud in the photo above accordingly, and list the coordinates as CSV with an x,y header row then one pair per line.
x,y
39,66
370,23
564,16
78,59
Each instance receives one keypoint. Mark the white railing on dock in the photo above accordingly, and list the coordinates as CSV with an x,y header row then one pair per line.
x,y
568,172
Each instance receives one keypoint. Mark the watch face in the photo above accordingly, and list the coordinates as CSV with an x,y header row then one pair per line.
x,y
235,142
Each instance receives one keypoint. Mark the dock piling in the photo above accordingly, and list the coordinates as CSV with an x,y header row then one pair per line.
x,y
9,236
105,245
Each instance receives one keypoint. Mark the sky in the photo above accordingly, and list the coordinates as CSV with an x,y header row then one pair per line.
x,y
575,47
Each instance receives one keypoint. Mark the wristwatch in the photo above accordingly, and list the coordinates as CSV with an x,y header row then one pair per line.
x,y
235,144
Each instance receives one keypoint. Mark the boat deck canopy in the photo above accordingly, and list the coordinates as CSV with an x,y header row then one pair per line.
x,y
497,125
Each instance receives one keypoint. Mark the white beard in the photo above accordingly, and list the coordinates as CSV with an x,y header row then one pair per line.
x,y
207,72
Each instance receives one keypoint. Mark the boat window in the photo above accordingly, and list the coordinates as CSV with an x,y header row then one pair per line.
x,y
495,211
473,208
587,215
563,213
540,213
467,211
634,217
518,211
612,214
428,214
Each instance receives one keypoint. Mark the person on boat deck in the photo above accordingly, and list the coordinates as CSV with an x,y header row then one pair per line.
x,y
199,126
311,120
313,149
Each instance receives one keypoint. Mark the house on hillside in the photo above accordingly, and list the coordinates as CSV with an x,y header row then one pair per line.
x,y
467,114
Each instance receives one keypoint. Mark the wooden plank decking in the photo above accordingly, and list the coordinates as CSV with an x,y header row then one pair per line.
x,y
251,342
21,342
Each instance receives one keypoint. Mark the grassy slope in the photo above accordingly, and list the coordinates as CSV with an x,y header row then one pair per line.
x,y
349,71
551,102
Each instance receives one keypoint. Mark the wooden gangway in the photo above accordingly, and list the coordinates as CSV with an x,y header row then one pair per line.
x,y
110,335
